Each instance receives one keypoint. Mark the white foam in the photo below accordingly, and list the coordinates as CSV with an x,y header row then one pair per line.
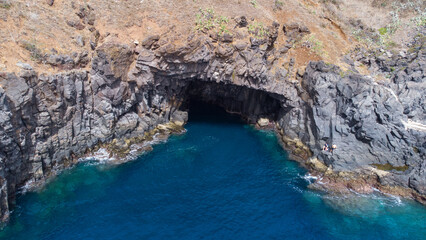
x,y
396,199
309,178
102,156
27,187
319,181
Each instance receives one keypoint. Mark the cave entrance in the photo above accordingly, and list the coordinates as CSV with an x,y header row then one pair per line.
x,y
250,104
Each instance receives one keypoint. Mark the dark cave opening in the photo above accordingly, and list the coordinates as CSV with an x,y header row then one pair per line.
x,y
209,98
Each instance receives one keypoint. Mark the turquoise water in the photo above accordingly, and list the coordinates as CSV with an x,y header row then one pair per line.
x,y
220,180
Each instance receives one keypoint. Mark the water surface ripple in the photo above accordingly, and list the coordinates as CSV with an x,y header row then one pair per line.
x,y
220,180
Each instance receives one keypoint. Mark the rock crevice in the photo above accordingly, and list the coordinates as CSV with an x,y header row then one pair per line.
x,y
48,121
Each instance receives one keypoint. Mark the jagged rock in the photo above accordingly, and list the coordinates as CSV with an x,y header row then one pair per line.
x,y
179,117
255,42
365,120
47,119
149,41
80,41
295,31
86,14
273,33
263,122
226,37
127,123
54,59
50,2
240,46
241,21
75,24
82,59
91,19
93,45
24,66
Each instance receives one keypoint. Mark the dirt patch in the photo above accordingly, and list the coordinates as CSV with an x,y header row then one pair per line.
x,y
57,28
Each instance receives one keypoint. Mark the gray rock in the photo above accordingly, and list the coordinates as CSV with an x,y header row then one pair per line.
x,y
150,40
80,41
226,37
48,120
75,24
241,21
295,31
24,66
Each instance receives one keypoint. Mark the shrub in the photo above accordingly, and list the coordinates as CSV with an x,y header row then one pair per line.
x,y
253,3
383,31
5,5
278,4
314,44
35,53
205,19
390,167
258,30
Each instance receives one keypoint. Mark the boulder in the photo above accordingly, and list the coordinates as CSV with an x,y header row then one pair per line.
x,y
149,41
263,122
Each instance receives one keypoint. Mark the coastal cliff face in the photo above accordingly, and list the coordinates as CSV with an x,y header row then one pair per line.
x,y
48,121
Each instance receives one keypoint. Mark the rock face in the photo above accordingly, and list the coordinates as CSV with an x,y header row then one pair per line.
x,y
46,121
367,123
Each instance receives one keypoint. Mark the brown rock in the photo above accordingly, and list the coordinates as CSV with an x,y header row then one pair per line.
x,y
241,21
149,41
295,31
227,37
75,24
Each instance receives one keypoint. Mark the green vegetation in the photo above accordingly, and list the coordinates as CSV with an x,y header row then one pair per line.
x,y
410,6
383,37
390,167
253,3
258,30
222,23
420,20
36,54
365,36
383,31
278,4
314,44
207,20
330,1
5,5
399,8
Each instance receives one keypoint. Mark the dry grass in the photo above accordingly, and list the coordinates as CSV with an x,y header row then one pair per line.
x,y
126,21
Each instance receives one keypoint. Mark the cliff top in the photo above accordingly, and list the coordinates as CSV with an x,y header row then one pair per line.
x,y
46,33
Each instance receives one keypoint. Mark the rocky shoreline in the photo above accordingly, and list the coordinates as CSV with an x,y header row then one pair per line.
x,y
49,121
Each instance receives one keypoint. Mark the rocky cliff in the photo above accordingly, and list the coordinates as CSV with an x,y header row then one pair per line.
x,y
47,121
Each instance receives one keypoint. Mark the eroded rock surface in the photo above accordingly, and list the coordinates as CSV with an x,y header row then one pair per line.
x,y
47,121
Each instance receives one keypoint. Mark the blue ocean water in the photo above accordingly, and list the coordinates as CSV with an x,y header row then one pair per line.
x,y
220,180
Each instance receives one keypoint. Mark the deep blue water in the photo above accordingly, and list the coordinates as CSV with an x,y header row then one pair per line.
x,y
220,180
